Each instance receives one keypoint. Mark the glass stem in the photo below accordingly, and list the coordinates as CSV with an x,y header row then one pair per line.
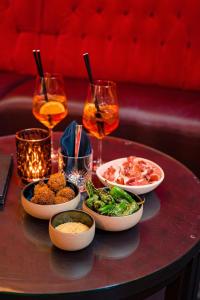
x,y
99,159
51,134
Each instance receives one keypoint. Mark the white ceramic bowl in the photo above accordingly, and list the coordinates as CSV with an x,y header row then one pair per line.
x,y
47,211
110,223
136,189
71,241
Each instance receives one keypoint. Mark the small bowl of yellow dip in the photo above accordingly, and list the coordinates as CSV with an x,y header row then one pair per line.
x,y
71,230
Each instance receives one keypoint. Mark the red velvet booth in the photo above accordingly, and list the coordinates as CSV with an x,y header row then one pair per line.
x,y
151,48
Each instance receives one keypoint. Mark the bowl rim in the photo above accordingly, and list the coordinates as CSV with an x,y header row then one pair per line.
x,y
130,186
47,205
71,210
137,196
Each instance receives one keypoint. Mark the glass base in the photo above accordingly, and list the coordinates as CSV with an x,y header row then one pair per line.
x,y
96,164
97,161
54,156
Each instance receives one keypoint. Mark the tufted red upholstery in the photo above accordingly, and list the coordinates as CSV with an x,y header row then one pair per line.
x,y
159,42
151,48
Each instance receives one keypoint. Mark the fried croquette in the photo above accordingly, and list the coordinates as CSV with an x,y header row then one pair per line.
x,y
56,182
38,186
67,193
60,199
43,196
54,192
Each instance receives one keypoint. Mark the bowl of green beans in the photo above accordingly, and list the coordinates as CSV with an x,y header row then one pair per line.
x,y
113,208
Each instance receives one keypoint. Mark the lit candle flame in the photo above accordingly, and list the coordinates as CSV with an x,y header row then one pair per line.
x,y
36,166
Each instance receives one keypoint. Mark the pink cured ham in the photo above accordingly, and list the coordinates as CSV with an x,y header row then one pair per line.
x,y
133,171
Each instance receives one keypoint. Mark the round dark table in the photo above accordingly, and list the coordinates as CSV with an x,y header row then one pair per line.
x,y
162,250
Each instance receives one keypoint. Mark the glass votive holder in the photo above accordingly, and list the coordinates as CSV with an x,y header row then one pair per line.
x,y
33,151
76,169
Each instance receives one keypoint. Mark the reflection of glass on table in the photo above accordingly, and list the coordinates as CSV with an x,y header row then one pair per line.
x,y
151,207
36,231
72,265
116,245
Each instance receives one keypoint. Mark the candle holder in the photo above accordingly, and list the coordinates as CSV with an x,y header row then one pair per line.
x,y
33,148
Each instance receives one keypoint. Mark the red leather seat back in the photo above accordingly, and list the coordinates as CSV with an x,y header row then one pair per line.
x,y
150,42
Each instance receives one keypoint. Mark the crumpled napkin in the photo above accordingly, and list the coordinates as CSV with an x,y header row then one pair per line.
x,y
67,142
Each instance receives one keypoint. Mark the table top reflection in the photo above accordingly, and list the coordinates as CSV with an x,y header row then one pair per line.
x,y
168,231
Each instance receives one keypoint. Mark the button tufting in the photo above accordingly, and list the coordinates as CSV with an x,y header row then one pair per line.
x,y
109,37
73,8
178,15
162,43
18,29
125,12
151,14
99,10
135,39
188,45
83,35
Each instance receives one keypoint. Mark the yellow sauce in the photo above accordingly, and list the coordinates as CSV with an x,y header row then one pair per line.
x,y
72,227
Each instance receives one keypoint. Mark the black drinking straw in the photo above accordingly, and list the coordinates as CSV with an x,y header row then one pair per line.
x,y
38,61
88,68
89,71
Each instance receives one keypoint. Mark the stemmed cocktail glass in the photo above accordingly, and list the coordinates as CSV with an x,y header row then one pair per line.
x,y
49,101
101,112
